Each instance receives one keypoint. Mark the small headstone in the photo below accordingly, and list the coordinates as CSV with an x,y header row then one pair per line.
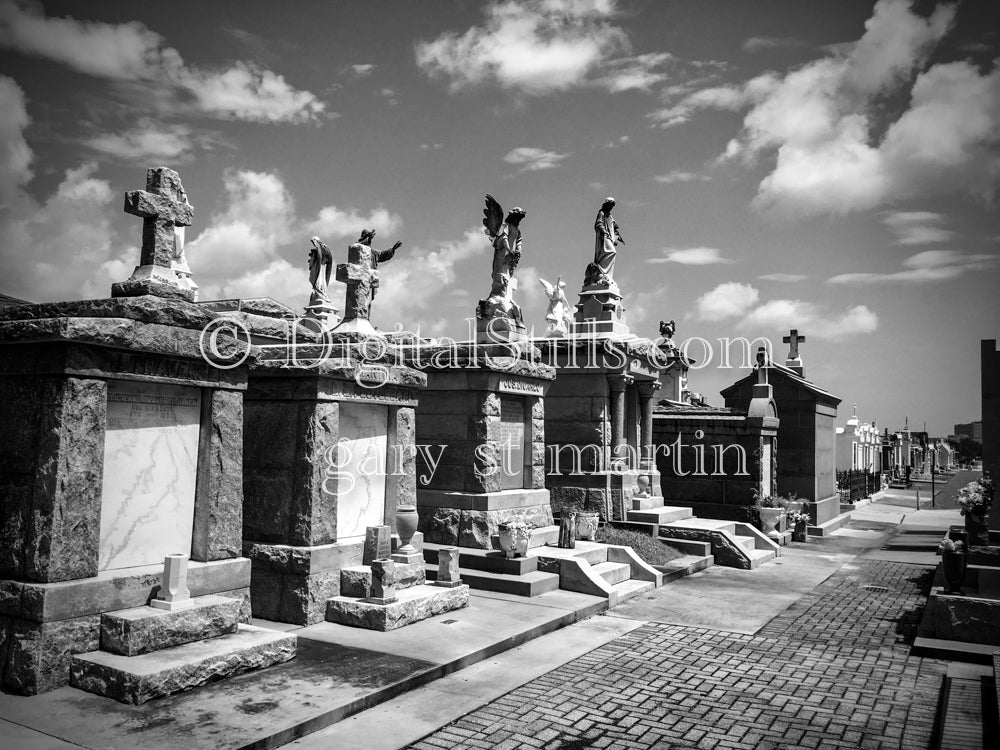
x,y
383,582
447,574
174,592
378,544
567,530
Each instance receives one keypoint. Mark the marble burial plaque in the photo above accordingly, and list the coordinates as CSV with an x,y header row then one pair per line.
x,y
511,442
361,468
150,471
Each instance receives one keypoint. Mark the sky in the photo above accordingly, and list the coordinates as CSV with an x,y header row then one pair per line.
x,y
825,166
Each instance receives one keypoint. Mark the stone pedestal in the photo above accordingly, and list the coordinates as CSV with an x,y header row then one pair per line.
x,y
600,311
81,383
329,452
483,415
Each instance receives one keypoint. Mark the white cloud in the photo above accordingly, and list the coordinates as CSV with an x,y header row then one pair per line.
x,y
15,154
728,300
761,43
838,147
916,227
418,280
534,159
363,70
431,146
533,46
788,278
735,300
692,256
132,52
677,175
783,314
639,73
148,141
335,222
388,94
929,265
617,142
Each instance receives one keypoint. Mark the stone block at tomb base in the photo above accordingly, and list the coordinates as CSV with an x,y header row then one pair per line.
x,y
139,630
137,679
38,654
357,580
411,605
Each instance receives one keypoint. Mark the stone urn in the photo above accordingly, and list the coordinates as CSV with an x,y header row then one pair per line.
x,y
514,537
406,526
953,566
977,527
586,526
769,519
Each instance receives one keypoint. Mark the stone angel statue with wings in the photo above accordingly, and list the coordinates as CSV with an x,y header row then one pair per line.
x,y
505,234
559,316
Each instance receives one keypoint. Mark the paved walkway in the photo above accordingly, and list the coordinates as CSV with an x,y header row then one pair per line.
x,y
831,671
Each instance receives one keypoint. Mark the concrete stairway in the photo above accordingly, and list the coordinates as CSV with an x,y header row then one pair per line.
x,y
613,572
149,653
489,570
733,543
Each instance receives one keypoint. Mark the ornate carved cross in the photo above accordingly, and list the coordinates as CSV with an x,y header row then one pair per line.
x,y
163,206
793,340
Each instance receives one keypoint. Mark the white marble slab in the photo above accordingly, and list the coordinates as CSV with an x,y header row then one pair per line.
x,y
361,461
150,470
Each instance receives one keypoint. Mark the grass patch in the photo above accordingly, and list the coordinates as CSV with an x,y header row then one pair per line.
x,y
651,550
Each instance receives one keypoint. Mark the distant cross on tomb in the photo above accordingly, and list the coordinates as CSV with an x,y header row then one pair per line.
x,y
762,365
793,339
163,206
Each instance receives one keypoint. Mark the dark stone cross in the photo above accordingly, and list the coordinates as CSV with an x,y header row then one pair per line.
x,y
162,205
793,339
361,277
762,365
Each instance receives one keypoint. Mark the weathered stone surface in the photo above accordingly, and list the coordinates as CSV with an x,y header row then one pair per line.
x,y
448,565
965,618
218,510
439,525
477,527
303,598
64,525
69,599
314,510
357,580
378,544
10,600
414,604
38,655
725,552
138,679
143,629
244,613
140,309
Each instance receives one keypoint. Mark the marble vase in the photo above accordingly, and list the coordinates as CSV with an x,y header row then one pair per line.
x,y
406,526
586,526
769,519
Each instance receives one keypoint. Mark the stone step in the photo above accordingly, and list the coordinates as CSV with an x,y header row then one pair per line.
x,y
591,552
747,542
689,546
613,572
644,503
705,524
630,588
662,515
529,584
759,557
356,580
141,630
412,605
137,679
684,566
544,535
490,560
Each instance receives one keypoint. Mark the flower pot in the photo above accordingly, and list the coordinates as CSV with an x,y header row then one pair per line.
x,y
406,526
953,567
977,526
799,532
769,518
586,526
514,538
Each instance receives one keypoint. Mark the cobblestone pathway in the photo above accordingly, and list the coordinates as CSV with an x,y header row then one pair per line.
x,y
832,671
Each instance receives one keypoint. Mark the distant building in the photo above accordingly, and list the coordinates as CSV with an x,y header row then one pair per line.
x,y
990,364
858,445
972,430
